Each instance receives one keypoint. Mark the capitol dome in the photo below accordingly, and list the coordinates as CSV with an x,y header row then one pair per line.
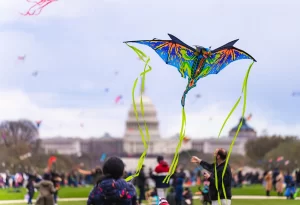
x,y
150,117
246,131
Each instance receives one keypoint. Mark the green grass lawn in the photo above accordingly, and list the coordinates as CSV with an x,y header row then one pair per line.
x,y
81,192
197,202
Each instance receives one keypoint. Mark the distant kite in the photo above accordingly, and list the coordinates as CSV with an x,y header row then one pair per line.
x,y
21,58
82,125
106,90
35,73
38,123
249,117
37,8
117,100
296,93
197,96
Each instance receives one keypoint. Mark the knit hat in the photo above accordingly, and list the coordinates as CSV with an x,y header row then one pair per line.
x,y
163,201
113,167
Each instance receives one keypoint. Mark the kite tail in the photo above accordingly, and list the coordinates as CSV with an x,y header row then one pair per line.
x,y
244,91
143,74
176,156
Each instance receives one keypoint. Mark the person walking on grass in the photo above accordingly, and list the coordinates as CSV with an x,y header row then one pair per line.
x,y
220,156
159,174
279,184
46,191
268,182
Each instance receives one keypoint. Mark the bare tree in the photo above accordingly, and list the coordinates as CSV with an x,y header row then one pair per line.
x,y
18,132
20,137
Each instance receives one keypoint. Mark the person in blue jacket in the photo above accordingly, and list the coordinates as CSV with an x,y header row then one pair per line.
x,y
111,188
179,180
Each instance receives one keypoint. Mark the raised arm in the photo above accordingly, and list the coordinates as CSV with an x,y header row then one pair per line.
x,y
84,172
209,167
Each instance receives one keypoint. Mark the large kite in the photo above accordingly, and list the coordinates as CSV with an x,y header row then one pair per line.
x,y
196,63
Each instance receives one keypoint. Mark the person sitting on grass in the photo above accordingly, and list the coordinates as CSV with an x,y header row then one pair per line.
x,y
111,188
187,196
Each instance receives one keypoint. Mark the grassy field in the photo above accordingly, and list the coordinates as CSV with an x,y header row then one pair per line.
x,y
197,202
81,192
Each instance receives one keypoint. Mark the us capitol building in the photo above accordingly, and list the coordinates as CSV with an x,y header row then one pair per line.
x,y
131,146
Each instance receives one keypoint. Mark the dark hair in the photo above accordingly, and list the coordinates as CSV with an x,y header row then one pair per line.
x,y
47,176
113,167
222,153
160,158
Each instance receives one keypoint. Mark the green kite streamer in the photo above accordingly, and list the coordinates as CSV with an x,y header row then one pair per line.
x,y
142,56
176,158
244,92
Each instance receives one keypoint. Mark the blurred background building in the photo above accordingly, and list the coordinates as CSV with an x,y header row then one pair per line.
x,y
130,146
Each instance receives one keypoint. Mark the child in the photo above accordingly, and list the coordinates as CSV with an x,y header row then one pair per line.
x,y
205,193
187,196
111,188
290,191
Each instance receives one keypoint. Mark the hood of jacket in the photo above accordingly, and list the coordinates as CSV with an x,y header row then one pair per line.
x,y
46,183
111,191
162,167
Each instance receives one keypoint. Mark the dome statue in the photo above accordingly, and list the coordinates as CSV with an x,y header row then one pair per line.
x,y
246,132
150,118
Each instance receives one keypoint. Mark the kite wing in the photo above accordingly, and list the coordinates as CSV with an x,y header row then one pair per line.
x,y
223,56
174,52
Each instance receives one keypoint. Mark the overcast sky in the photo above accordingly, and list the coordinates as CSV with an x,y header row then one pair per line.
x,y
77,47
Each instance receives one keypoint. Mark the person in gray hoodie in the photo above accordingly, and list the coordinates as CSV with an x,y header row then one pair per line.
x,y
46,191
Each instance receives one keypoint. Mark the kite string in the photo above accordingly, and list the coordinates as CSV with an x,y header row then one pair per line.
x,y
143,74
244,92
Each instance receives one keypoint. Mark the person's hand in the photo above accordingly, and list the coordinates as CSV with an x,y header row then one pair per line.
x,y
206,175
195,159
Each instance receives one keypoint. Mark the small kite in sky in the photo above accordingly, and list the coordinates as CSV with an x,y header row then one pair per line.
x,y
296,94
35,73
38,123
117,100
106,90
37,8
249,117
21,58
82,125
197,96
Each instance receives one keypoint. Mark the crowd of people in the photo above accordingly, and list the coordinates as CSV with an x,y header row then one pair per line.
x,y
284,184
111,188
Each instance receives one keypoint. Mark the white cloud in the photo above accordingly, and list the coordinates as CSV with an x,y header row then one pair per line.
x,y
62,121
199,124
66,121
